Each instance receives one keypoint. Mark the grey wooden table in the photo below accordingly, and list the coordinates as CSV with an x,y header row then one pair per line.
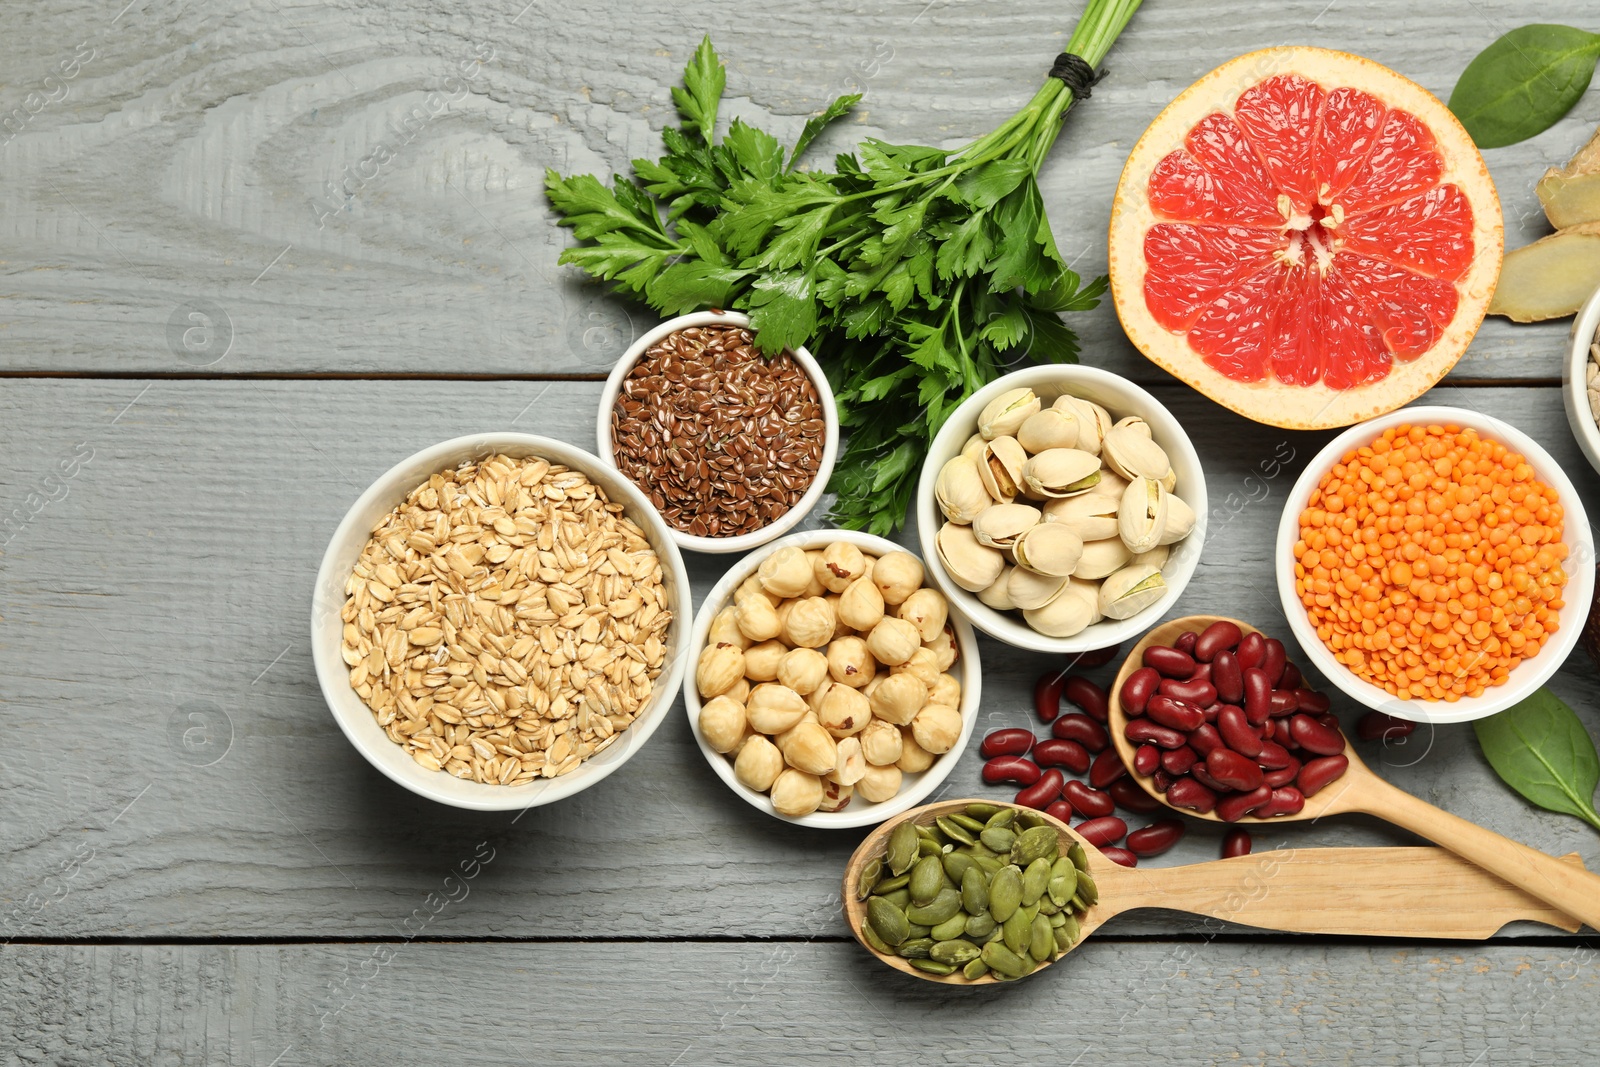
x,y
255,252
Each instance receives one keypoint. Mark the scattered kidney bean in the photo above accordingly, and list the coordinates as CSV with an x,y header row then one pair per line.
x,y
1106,768
1251,648
1283,775
1097,658
1047,695
1146,758
1236,806
1185,642
1088,696
1018,769
1076,726
1060,752
1172,662
1128,795
1233,771
1236,842
1041,793
1318,773
1145,730
1236,733
1059,809
1120,855
1257,696
1156,838
1104,831
1179,761
1009,742
1286,800
1314,736
1188,793
1090,803
1137,689
1227,677
1160,780
1196,691
1174,714
1375,725
1215,638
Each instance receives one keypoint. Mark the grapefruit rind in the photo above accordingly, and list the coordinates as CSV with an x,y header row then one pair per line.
x,y
1272,402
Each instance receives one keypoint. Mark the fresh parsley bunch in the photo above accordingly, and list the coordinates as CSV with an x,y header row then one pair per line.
x,y
914,275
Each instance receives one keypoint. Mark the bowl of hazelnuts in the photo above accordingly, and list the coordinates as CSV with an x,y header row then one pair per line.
x,y
832,686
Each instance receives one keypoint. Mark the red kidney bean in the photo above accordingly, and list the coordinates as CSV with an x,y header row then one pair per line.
x,y
1088,696
1202,672
1098,658
1047,695
1146,759
1269,729
1214,638
1160,780
1311,701
1087,802
1041,793
1059,809
1236,806
1286,800
1375,725
1137,689
1331,721
1237,733
1209,712
1128,795
1060,752
1314,736
1196,691
1174,714
1199,773
1273,756
1179,761
1156,838
1251,648
1205,738
1104,831
1283,702
1292,678
1018,769
1318,773
1185,642
1233,770
1008,742
1283,775
1257,696
1106,768
1227,677
1273,658
1076,726
1140,730
1120,855
1171,662
1236,842
1188,793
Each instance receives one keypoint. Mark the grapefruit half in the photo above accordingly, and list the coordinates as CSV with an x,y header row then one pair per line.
x,y
1306,237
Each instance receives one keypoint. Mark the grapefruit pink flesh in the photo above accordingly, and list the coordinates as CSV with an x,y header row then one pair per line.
x,y
1306,237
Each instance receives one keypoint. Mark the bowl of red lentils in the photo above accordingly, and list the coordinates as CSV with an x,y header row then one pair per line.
x,y
732,446
1435,563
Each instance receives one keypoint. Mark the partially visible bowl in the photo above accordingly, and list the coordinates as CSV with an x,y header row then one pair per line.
x,y
1528,675
1575,381
1121,398
859,812
830,445
327,628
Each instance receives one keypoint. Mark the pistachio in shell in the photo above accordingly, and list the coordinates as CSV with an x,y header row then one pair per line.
x,y
1156,557
1142,515
1180,521
959,490
1060,472
972,448
1129,591
1005,414
996,595
1102,557
1064,616
1048,548
1000,466
1131,454
1030,590
1092,516
1094,421
971,565
999,525
1089,593
1135,423
1048,428
1111,484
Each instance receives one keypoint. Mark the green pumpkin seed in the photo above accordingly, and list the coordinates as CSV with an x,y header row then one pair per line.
x,y
974,891
980,926
902,851
1063,881
1087,889
1079,858
914,948
951,928
956,864
898,897
989,865
1074,931
1003,961
1043,945
956,952
927,878
889,885
980,810
868,879
930,832
933,967
1034,880
1030,819
1017,930
876,943
1005,893
967,822
1034,843
930,848
1062,937
917,930
975,970
994,935
1057,918
888,921
1048,906
954,830
944,905
999,838
1002,819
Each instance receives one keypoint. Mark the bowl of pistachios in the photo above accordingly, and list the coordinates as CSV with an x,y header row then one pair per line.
x,y
1061,509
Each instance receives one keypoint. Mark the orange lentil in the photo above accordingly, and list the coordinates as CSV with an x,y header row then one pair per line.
x,y
1430,562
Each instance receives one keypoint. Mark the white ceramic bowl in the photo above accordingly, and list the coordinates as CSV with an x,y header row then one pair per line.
x,y
356,719
1121,398
915,788
1575,382
830,420
1530,674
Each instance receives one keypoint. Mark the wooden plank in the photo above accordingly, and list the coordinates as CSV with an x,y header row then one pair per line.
x,y
813,1002
165,592
302,188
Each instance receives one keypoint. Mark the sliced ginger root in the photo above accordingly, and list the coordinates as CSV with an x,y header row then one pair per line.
x,y
1551,278
1571,194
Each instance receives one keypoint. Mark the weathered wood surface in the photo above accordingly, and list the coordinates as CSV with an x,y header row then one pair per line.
x,y
810,1002
169,588
187,165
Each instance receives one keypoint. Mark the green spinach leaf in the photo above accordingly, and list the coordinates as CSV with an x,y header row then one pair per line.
x,y
1541,750
1524,82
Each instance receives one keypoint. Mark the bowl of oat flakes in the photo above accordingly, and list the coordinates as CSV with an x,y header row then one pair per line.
x,y
1581,380
499,621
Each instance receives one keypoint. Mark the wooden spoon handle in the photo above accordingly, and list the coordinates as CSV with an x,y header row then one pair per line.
x,y
1575,892
1393,892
